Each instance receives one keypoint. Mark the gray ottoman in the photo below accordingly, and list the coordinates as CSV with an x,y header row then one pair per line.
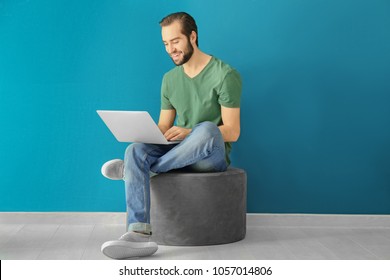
x,y
198,208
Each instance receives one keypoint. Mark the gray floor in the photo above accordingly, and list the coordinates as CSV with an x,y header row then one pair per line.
x,y
69,236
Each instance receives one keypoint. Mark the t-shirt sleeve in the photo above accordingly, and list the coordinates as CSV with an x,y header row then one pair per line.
x,y
231,88
165,103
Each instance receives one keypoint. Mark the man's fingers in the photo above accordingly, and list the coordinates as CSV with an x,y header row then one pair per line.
x,y
176,133
170,133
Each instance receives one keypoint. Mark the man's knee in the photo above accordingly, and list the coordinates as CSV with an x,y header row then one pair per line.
x,y
207,133
206,128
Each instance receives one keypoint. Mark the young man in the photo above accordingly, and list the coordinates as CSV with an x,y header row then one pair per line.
x,y
203,94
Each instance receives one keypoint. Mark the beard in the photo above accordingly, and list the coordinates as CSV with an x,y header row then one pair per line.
x,y
187,54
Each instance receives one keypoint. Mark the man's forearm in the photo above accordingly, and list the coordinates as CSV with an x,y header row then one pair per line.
x,y
163,128
229,134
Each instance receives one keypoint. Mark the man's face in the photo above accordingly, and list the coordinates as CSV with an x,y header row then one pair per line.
x,y
176,43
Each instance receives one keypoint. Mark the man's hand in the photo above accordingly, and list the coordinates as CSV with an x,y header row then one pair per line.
x,y
176,133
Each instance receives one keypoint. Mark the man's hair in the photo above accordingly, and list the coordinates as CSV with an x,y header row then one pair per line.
x,y
187,23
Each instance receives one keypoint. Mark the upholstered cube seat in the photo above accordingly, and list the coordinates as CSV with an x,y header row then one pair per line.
x,y
198,208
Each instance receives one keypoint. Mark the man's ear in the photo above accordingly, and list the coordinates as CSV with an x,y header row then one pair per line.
x,y
193,37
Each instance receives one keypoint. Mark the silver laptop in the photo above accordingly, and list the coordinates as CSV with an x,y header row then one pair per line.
x,y
133,126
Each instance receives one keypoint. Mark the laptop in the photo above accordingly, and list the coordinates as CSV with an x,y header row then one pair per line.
x,y
133,126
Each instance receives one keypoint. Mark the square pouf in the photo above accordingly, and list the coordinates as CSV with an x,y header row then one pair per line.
x,y
191,209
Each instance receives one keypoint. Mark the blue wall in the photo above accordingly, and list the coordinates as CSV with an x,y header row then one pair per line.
x,y
315,107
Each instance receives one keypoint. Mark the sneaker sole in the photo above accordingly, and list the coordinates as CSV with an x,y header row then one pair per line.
x,y
125,249
104,167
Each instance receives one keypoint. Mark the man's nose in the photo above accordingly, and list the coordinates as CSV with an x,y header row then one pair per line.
x,y
170,49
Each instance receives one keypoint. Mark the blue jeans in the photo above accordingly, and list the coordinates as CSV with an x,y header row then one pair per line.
x,y
203,150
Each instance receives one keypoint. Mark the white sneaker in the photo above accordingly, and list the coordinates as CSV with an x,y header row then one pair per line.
x,y
113,169
129,245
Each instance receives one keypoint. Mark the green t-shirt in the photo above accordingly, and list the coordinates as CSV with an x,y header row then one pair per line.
x,y
200,98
